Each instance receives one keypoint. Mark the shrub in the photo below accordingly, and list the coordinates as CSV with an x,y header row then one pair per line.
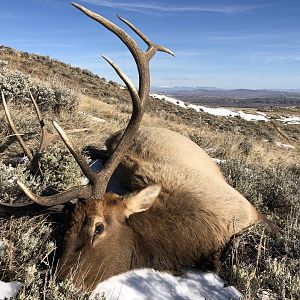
x,y
258,263
272,189
59,168
31,241
51,96
14,84
56,98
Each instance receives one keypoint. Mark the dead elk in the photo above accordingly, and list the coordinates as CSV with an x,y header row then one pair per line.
x,y
180,209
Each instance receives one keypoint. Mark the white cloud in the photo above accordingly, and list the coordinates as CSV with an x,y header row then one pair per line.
x,y
153,7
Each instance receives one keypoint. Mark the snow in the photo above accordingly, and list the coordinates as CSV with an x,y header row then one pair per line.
x,y
251,117
96,119
219,161
19,159
2,246
114,185
9,290
225,112
146,284
290,120
286,146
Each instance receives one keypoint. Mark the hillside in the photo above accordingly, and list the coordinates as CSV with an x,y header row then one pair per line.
x,y
95,87
258,158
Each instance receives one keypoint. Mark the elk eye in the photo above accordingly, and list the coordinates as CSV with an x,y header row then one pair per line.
x,y
99,228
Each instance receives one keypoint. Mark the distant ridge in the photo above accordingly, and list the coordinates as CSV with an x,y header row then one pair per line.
x,y
209,88
235,97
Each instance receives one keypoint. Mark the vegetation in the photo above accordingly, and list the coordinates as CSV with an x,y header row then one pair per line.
x,y
260,263
49,95
257,263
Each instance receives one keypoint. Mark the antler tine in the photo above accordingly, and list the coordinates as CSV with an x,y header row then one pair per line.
x,y
120,33
84,191
128,135
47,137
24,147
80,159
23,209
136,30
145,38
130,86
140,57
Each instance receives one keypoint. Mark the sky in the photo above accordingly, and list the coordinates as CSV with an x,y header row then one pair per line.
x,y
218,43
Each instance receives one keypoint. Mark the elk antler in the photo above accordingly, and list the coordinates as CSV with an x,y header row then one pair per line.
x,y
26,150
98,181
47,137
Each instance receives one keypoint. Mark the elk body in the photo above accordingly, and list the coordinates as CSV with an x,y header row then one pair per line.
x,y
183,212
179,210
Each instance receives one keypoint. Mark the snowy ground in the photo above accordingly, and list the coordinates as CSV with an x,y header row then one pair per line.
x,y
225,112
146,284
9,290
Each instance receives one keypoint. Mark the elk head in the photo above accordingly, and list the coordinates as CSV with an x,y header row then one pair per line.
x,y
97,229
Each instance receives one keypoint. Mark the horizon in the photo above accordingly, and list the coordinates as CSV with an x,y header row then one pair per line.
x,y
222,44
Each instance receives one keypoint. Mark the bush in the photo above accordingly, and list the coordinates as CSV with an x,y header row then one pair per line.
x,y
53,97
49,96
59,168
31,241
258,263
271,190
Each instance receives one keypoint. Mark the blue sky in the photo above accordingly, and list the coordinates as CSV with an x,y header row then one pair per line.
x,y
220,43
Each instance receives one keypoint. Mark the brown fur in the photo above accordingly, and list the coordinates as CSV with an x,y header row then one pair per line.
x,y
194,215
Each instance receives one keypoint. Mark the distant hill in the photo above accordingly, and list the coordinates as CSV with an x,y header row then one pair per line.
x,y
237,97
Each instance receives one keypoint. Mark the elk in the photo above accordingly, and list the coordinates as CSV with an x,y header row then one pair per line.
x,y
178,212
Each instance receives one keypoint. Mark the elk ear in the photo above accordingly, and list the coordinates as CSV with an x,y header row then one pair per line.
x,y
142,200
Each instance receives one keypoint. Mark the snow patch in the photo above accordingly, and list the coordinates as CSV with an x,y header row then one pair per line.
x,y
252,117
169,99
96,119
114,185
286,146
289,120
3,246
219,161
145,284
9,290
19,159
222,112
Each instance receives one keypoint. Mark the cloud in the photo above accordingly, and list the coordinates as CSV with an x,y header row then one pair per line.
x,y
153,7
284,58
